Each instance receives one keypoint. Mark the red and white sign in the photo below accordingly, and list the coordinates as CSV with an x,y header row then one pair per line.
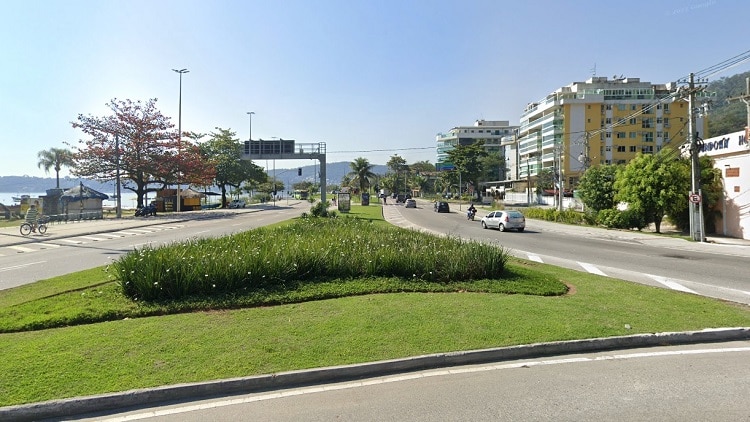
x,y
695,198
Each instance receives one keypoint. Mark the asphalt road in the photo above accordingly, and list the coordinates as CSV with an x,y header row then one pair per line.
x,y
717,270
67,248
706,382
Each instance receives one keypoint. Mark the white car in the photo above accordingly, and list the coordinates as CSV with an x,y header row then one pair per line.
x,y
410,203
237,203
504,220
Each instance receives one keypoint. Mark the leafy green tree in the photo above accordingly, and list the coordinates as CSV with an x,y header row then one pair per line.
x,y
231,171
422,167
494,166
597,187
650,184
712,187
468,162
361,173
397,165
545,180
55,158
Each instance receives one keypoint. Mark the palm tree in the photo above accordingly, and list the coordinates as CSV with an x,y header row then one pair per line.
x,y
361,173
55,158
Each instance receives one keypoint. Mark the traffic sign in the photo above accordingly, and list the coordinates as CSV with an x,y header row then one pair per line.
x,y
695,198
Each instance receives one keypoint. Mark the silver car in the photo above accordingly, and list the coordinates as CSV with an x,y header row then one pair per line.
x,y
504,220
410,203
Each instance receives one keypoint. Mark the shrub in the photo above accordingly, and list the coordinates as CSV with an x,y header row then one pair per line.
x,y
308,250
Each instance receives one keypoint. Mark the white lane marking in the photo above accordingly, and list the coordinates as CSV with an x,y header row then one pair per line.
x,y
127,233
75,242
110,235
21,248
17,267
407,377
141,231
593,269
45,245
535,258
95,239
671,284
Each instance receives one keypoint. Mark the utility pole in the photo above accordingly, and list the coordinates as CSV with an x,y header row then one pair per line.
x,y
696,144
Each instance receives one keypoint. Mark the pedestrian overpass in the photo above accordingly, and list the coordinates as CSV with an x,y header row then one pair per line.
x,y
288,149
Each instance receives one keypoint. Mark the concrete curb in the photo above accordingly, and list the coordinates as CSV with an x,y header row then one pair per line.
x,y
245,385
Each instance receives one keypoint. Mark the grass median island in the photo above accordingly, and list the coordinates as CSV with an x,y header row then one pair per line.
x,y
111,343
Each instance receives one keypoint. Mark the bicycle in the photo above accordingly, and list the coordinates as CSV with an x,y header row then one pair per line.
x,y
41,227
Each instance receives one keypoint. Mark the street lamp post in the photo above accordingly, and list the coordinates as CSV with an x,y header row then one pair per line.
x,y
250,115
179,134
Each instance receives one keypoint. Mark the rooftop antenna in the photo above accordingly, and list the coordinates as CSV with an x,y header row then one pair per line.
x,y
593,70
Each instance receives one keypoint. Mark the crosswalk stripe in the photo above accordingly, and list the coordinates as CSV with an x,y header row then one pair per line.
x,y
95,239
75,242
21,248
671,284
593,269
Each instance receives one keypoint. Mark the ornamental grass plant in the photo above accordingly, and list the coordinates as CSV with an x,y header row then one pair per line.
x,y
307,250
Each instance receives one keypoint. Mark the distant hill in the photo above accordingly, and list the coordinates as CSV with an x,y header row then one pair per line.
x,y
29,184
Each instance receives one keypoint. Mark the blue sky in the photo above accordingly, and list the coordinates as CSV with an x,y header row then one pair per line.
x,y
369,78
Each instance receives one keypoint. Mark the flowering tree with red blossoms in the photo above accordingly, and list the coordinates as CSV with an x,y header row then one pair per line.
x,y
143,145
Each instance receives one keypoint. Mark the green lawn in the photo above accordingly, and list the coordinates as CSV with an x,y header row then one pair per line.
x,y
128,352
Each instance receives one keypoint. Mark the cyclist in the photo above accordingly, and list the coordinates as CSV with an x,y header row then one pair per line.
x,y
32,217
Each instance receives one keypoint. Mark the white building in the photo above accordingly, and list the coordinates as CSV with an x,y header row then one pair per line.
x,y
497,135
731,154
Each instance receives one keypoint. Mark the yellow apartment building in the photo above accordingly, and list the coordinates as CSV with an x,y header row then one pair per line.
x,y
600,121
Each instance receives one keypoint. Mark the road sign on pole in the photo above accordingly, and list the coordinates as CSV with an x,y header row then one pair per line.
x,y
695,198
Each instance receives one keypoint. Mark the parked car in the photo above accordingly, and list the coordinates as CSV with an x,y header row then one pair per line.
x,y
504,220
237,203
442,206
410,203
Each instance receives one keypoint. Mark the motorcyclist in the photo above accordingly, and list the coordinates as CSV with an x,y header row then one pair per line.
x,y
471,212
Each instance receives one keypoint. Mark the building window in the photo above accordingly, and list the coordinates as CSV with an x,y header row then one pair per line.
x,y
609,135
633,121
609,106
647,149
645,123
621,148
608,120
608,148
633,148
666,136
633,135
621,135
621,107
659,120
659,135
648,136
633,107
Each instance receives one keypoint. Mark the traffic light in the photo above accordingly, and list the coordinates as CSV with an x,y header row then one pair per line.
x,y
299,171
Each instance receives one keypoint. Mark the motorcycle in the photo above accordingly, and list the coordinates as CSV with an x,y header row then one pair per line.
x,y
146,211
470,214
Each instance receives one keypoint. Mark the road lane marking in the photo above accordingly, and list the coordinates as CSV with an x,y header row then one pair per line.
x,y
17,267
73,241
21,249
593,269
95,239
671,284
535,258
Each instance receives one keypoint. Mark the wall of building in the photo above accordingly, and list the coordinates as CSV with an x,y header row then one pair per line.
x,y
732,156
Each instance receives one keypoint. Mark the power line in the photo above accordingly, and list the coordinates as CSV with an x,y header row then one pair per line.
x,y
381,150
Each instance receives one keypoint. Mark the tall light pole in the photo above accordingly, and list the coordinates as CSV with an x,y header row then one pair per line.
x,y
179,135
250,114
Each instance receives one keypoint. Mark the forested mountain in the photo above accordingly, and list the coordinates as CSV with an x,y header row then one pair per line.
x,y
727,117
